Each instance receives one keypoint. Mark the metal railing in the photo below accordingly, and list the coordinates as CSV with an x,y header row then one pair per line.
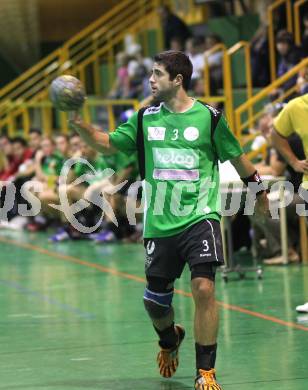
x,y
297,22
45,110
227,96
81,55
242,124
243,45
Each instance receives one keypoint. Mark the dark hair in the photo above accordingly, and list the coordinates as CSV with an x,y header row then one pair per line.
x,y
73,134
19,140
217,38
176,62
283,36
65,136
35,131
197,40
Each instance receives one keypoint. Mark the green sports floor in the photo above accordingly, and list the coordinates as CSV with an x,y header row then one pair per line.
x,y
72,318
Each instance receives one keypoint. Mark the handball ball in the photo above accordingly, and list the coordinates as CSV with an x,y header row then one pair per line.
x,y
67,93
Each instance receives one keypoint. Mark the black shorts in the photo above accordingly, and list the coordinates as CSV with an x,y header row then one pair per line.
x,y
199,244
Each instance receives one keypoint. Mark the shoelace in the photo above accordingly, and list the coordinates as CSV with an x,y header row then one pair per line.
x,y
209,376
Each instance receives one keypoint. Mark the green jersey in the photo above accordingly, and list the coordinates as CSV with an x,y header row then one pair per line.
x,y
52,165
95,172
181,165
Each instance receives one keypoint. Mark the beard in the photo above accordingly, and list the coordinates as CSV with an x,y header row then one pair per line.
x,y
162,96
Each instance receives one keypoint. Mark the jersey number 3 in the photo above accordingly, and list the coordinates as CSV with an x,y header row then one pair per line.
x,y
175,135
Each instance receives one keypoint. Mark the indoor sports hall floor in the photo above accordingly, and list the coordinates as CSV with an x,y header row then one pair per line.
x,y
72,318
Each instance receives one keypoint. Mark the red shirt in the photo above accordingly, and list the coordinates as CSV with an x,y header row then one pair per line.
x,y
14,164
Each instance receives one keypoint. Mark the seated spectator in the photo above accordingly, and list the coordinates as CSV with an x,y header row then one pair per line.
x,y
75,144
63,146
288,56
3,162
7,155
48,164
265,123
35,139
18,155
75,192
16,171
302,82
275,165
126,171
295,178
305,36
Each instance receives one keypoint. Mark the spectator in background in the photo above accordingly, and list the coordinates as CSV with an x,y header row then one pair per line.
x,y
75,144
16,171
3,162
302,81
305,36
194,48
35,139
19,155
214,62
48,164
260,57
63,146
75,192
7,155
264,139
279,168
139,68
275,165
288,56
120,88
172,26
176,44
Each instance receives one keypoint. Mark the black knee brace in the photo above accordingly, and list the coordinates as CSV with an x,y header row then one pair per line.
x,y
158,297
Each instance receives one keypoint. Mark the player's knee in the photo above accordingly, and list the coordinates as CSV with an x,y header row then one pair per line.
x,y
158,304
203,290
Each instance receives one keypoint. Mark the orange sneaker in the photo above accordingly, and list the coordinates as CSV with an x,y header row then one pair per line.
x,y
168,359
206,380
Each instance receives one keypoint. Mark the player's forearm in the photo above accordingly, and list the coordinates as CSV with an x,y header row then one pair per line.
x,y
243,166
283,147
98,140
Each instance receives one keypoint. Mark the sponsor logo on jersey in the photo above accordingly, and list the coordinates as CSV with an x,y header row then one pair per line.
x,y
156,133
176,174
175,158
191,133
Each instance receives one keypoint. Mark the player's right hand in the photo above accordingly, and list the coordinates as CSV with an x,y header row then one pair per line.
x,y
74,120
300,166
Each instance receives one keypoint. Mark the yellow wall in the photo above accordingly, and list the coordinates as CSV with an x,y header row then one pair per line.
x,y
61,19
